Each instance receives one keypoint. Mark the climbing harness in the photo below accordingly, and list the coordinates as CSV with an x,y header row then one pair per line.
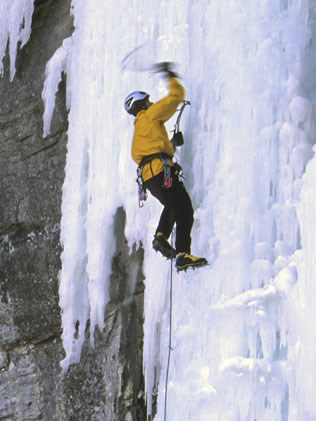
x,y
167,181
142,192
177,138
170,335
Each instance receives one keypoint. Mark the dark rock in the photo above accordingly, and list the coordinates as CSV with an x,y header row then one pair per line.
x,y
107,384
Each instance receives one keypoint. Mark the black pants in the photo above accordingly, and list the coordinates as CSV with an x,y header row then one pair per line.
x,y
177,209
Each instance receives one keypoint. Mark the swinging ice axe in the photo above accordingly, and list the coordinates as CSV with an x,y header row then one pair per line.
x,y
141,59
137,60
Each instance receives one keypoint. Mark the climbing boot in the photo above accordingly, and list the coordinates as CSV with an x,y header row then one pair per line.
x,y
185,261
161,244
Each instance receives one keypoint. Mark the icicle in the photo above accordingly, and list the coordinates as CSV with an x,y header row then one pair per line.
x,y
15,25
91,190
54,69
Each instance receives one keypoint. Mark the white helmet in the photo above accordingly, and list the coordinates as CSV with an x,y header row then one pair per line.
x,y
131,100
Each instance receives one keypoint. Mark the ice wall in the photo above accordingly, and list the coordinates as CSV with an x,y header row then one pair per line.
x,y
242,363
15,29
242,327
99,171
97,154
237,349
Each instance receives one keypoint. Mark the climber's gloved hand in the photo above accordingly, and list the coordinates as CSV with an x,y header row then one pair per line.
x,y
165,67
177,139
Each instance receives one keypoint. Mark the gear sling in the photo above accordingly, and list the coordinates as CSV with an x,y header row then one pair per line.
x,y
142,192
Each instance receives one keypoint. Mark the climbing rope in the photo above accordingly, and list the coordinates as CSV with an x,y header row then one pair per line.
x,y
170,335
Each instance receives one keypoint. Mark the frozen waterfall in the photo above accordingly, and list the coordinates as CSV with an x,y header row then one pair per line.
x,y
244,330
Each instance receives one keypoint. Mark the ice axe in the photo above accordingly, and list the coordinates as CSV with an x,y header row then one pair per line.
x,y
136,62
140,60
177,138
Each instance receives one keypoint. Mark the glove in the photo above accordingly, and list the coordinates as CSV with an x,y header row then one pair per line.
x,y
177,139
165,67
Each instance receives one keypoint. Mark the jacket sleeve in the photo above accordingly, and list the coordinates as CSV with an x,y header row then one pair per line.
x,y
165,108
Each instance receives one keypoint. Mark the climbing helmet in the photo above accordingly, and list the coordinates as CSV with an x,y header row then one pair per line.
x,y
132,101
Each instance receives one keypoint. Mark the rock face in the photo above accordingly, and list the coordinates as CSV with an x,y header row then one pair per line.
x,y
107,384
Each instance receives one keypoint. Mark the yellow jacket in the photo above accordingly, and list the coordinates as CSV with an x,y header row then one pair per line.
x,y
150,134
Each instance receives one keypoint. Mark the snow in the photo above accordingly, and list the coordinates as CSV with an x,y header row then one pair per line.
x,y
243,330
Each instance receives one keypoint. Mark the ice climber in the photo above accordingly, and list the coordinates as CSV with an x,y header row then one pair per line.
x,y
153,152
